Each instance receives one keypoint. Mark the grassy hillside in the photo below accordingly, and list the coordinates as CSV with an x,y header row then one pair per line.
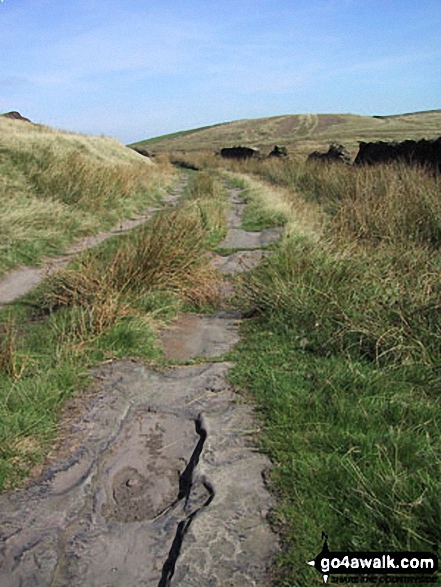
x,y
302,133
56,186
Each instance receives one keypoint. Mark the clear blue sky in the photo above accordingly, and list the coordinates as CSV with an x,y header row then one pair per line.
x,y
139,68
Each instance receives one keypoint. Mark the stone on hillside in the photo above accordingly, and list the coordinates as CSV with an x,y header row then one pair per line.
x,y
336,153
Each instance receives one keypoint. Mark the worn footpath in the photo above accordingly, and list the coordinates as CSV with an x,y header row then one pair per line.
x,y
22,280
160,483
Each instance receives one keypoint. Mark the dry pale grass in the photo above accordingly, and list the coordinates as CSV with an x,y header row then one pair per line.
x,y
168,256
369,283
302,217
385,202
393,203
57,186
19,135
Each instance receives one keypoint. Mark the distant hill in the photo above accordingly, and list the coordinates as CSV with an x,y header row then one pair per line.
x,y
301,133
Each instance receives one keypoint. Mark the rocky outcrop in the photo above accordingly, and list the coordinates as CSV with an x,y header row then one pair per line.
x,y
239,153
335,154
16,116
141,151
278,152
423,152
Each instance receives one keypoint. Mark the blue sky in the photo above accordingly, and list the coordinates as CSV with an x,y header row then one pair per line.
x,y
139,68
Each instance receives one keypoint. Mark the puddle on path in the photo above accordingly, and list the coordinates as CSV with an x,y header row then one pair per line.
x,y
194,335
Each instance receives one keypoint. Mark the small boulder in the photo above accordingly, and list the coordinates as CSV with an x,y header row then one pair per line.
x,y
278,152
335,154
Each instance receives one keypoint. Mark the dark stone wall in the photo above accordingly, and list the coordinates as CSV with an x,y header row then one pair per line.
x,y
238,153
424,152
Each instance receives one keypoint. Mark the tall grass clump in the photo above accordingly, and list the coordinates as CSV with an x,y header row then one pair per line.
x,y
379,306
106,304
394,202
57,186
372,282
167,256
206,195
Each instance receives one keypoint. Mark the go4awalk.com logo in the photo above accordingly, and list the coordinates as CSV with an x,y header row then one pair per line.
x,y
413,564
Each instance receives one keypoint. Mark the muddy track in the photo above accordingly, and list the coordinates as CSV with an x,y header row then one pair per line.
x,y
22,280
161,484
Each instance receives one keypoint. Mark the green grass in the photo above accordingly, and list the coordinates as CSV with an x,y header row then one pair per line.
x,y
52,357
356,450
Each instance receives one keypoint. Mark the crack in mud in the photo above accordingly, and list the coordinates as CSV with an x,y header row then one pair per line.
x,y
186,483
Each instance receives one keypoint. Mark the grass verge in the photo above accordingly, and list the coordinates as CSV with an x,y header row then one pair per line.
x,y
342,358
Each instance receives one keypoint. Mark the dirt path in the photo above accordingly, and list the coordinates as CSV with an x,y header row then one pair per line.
x,y
161,484
24,279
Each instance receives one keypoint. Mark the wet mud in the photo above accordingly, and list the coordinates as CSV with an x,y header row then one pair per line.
x,y
194,335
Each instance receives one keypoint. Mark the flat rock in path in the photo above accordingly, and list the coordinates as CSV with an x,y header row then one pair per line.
x,y
239,262
195,335
161,465
236,209
245,239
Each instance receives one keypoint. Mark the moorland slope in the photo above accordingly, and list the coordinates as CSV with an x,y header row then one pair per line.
x,y
301,133
57,186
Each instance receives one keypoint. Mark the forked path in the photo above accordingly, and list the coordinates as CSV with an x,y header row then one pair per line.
x,y
22,280
161,484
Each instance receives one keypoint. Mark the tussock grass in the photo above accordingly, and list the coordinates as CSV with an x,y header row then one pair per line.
x,y
58,186
167,256
206,195
376,306
395,202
